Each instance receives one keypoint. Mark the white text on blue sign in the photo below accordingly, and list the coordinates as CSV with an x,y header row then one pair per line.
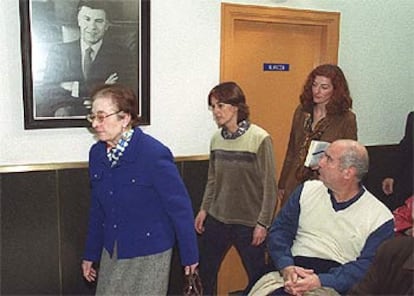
x,y
275,67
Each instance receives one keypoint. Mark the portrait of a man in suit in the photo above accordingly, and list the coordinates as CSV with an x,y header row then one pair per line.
x,y
72,69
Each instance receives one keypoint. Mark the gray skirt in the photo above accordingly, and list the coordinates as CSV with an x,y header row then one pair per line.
x,y
146,275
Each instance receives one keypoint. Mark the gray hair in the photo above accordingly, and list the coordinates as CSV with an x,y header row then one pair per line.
x,y
354,155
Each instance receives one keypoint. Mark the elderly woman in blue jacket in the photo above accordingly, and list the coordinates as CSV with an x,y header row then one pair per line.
x,y
139,204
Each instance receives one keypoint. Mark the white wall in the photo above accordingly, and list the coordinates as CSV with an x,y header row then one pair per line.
x,y
375,52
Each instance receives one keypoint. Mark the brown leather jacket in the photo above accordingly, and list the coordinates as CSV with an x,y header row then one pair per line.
x,y
329,129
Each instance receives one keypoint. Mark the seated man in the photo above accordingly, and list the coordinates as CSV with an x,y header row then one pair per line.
x,y
327,234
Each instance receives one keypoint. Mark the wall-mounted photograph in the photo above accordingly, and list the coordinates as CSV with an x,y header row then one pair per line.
x,y
69,47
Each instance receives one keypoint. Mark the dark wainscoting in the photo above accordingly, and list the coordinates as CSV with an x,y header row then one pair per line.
x,y
30,234
380,162
43,223
44,216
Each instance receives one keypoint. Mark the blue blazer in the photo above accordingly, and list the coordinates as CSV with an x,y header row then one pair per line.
x,y
141,203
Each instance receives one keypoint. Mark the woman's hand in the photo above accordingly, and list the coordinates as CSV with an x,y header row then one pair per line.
x,y
89,273
190,269
280,193
199,221
259,235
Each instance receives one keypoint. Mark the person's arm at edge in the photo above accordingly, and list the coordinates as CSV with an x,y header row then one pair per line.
x,y
209,189
350,128
403,149
291,151
176,201
95,233
371,282
267,167
207,196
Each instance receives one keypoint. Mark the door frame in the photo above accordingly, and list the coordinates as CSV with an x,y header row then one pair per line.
x,y
328,21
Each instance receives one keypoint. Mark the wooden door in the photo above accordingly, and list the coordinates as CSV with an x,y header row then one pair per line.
x,y
269,52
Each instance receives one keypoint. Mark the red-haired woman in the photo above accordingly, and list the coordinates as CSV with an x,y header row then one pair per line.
x,y
324,114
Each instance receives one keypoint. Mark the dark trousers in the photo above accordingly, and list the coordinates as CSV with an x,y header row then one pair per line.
x,y
214,244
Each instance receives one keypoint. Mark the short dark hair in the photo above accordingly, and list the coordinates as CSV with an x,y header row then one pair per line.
x,y
96,4
122,96
230,93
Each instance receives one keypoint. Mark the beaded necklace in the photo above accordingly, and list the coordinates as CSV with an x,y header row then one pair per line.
x,y
243,127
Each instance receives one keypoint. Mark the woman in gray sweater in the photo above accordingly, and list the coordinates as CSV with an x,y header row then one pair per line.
x,y
240,194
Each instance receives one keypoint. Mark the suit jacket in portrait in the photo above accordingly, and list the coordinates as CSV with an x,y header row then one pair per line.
x,y
64,65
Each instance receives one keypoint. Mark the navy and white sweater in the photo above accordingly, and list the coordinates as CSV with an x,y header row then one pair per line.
x,y
314,226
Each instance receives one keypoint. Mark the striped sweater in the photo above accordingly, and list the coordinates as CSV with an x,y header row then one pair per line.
x,y
241,186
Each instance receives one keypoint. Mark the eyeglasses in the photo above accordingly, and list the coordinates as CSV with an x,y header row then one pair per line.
x,y
220,106
99,117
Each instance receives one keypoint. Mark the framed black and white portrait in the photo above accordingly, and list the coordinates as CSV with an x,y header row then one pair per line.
x,y
69,47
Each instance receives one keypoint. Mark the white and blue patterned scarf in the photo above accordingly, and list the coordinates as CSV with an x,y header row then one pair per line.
x,y
116,152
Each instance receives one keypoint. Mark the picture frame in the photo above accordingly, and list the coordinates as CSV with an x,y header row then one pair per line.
x,y
55,85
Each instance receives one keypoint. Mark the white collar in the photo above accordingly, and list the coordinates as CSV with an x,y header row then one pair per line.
x,y
95,47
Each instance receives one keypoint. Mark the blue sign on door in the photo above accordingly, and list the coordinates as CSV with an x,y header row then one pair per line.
x,y
275,67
